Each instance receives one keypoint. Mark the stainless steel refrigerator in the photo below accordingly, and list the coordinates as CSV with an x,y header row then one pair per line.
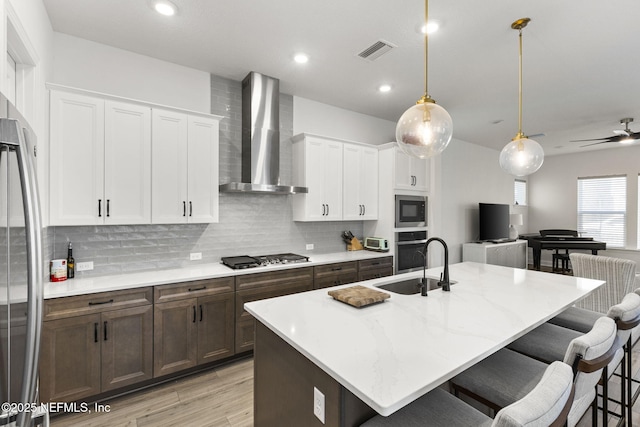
x,y
21,269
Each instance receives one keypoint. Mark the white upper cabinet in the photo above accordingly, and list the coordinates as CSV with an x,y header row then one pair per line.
x,y
360,182
127,164
100,161
76,182
169,167
202,168
411,173
119,162
317,165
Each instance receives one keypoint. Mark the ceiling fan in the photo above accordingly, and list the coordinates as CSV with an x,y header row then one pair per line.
x,y
625,136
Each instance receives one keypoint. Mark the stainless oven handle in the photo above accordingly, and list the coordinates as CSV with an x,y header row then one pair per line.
x,y
412,242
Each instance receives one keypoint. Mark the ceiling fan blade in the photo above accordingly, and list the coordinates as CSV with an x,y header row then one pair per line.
x,y
607,139
621,132
595,143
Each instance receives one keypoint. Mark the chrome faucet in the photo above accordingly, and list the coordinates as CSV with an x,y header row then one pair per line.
x,y
444,278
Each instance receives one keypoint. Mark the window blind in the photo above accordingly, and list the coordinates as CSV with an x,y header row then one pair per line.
x,y
520,192
602,205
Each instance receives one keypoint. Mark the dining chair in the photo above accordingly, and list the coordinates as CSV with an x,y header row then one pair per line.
x,y
547,404
506,376
549,341
617,272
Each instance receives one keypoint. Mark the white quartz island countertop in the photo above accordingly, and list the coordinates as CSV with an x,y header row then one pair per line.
x,y
114,282
391,353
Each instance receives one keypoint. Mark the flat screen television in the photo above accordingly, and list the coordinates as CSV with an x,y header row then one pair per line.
x,y
494,221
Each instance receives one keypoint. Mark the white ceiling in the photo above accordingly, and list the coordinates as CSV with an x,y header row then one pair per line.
x,y
581,57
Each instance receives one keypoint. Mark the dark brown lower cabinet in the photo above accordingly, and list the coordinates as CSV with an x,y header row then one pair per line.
x,y
253,287
83,355
193,324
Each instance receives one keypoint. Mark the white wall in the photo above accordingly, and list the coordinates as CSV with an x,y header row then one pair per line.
x,y
326,120
470,174
88,65
553,190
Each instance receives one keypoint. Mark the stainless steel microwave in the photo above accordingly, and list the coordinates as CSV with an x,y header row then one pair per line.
x,y
411,211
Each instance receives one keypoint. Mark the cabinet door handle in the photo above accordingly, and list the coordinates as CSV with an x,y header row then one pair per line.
x,y
100,302
108,207
99,208
184,208
190,208
364,209
197,289
201,312
95,332
327,209
105,330
324,209
194,314
336,268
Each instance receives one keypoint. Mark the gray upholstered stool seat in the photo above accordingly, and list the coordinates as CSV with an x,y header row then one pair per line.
x,y
547,404
576,318
495,381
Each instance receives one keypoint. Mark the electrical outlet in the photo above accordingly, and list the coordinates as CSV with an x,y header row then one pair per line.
x,y
318,404
194,256
309,246
84,266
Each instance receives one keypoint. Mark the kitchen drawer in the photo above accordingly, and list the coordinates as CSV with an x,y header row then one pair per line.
x,y
375,263
335,274
301,276
59,308
375,268
196,288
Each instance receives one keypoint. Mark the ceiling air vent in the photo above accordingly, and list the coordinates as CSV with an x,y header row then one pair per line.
x,y
376,50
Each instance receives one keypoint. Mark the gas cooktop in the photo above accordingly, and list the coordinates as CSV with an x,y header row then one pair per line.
x,y
246,261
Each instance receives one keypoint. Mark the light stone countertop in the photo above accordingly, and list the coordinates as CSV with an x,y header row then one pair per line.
x,y
391,353
90,285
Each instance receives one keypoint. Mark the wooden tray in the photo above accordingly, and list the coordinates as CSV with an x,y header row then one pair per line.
x,y
359,296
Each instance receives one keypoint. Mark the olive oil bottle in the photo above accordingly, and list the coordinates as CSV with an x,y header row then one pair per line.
x,y
71,263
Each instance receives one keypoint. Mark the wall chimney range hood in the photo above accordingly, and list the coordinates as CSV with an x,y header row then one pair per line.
x,y
260,139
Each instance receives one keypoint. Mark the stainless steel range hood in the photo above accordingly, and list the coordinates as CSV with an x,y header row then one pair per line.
x,y
260,139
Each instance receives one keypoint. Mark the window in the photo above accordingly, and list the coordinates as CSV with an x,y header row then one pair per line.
x,y
602,209
11,79
520,192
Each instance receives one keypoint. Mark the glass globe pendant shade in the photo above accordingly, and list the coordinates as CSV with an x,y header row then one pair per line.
x,y
521,157
424,130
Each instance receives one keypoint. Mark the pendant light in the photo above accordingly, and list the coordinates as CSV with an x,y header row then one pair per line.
x,y
522,156
425,129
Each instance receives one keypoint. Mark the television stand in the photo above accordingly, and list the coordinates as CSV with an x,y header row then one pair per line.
x,y
506,253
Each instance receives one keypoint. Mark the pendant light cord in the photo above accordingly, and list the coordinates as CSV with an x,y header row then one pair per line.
x,y
520,134
426,50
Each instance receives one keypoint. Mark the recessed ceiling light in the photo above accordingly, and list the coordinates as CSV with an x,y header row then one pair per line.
x,y
384,88
165,8
301,58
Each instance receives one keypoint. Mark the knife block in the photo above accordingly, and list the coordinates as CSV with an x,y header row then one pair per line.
x,y
355,245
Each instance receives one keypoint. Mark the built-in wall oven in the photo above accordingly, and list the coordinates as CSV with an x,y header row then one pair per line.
x,y
411,211
409,246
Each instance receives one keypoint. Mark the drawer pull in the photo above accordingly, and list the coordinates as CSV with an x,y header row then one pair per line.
x,y
336,268
197,289
101,302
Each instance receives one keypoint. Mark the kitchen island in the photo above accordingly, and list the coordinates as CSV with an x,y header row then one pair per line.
x,y
378,359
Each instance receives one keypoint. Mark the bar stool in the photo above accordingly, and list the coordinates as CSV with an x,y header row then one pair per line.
x,y
548,404
507,375
627,318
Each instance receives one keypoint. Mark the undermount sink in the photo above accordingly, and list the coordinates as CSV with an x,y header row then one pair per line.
x,y
411,286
